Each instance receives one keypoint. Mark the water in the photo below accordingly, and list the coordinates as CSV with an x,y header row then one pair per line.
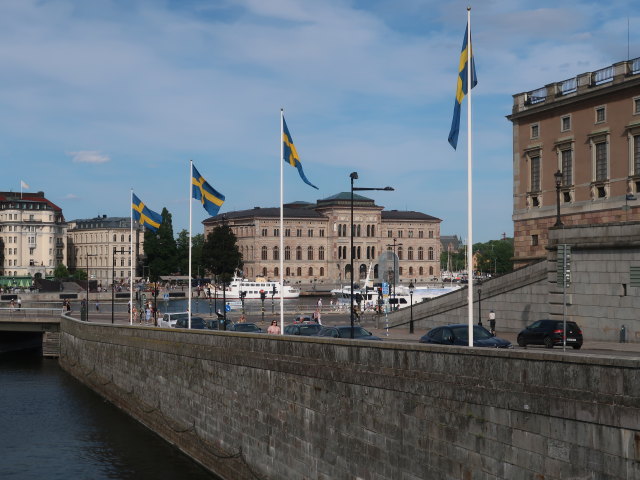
x,y
53,427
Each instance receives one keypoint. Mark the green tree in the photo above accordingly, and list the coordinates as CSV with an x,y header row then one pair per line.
x,y
161,250
61,271
182,243
79,274
220,254
494,256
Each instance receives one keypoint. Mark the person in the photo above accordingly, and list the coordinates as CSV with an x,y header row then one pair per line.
x,y
492,322
273,328
19,303
148,316
242,319
319,304
12,304
97,306
135,312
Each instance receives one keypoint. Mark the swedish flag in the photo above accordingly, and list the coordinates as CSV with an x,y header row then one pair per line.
x,y
461,89
143,215
210,198
291,154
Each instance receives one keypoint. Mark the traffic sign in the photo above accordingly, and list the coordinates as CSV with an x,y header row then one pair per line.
x,y
165,296
385,288
227,308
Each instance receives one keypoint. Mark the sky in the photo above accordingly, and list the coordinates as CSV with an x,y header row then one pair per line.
x,y
101,97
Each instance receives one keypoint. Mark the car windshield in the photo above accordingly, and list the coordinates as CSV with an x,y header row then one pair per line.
x,y
358,332
245,327
479,333
570,326
309,329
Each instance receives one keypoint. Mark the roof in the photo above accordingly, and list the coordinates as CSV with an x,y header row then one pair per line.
x,y
270,212
28,197
407,215
345,196
102,222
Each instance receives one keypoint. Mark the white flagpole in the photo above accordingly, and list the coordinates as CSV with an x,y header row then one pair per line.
x,y
469,184
131,257
190,211
281,222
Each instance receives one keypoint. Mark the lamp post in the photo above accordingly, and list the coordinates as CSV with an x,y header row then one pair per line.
x,y
113,282
480,306
393,291
354,176
87,309
558,177
411,288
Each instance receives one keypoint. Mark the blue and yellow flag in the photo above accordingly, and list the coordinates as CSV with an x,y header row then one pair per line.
x,y
291,155
461,89
143,215
210,198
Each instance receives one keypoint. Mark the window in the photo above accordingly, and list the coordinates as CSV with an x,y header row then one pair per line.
x,y
298,253
276,271
535,130
399,233
410,234
389,233
399,253
430,253
264,253
420,253
276,253
430,233
287,254
601,161
421,234
535,173
410,271
287,232
421,271
410,253
298,232
264,271
600,114
321,253
310,271
358,230
310,232
567,172
321,232
310,253
264,232
636,106
636,154
322,271
299,271
276,232
565,123
534,240
288,272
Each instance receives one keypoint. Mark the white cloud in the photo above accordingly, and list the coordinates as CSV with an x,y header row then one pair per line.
x,y
71,196
89,156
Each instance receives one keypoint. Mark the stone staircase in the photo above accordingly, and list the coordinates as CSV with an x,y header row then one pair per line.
x,y
51,344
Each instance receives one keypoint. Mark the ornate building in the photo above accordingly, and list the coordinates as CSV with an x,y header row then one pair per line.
x,y
587,129
33,231
317,239
101,247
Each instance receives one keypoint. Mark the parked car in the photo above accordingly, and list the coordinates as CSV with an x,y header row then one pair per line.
x,y
458,334
216,324
169,320
549,333
344,331
305,329
302,318
196,323
245,328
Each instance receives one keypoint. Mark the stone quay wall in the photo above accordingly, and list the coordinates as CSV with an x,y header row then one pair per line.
x,y
270,407
601,297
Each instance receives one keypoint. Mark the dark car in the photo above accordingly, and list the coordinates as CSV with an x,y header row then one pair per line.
x,y
305,329
196,323
359,333
459,335
215,324
244,328
549,333
302,318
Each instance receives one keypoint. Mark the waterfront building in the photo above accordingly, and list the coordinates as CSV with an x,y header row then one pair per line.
x,y
587,128
317,240
33,230
101,247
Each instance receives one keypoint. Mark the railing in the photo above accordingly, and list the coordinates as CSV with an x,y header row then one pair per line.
x,y
603,75
537,96
635,66
568,86
20,313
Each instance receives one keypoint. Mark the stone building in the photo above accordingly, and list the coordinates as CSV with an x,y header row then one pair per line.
x,y
33,230
317,240
101,247
586,128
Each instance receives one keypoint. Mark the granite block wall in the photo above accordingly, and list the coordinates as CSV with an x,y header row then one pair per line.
x,y
270,407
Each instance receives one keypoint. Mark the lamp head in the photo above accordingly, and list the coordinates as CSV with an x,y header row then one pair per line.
x,y
558,177
353,175
411,287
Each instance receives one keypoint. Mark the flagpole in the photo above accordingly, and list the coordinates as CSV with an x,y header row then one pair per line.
x,y
469,183
131,257
190,213
281,222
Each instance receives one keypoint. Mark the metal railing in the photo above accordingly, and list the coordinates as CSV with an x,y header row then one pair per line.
x,y
15,313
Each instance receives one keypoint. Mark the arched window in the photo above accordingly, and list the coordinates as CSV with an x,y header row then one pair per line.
x,y
276,271
368,231
310,253
122,238
358,251
373,252
287,254
399,253
410,253
430,253
363,271
400,271
311,271
430,270
299,271
344,230
264,253
264,271
339,230
410,271
115,238
322,271
321,253
420,253
298,253
421,270
358,229
288,272
375,271
276,253
368,250
373,230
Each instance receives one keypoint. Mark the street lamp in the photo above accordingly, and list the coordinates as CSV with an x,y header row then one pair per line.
x,y
394,245
558,177
354,176
87,309
113,282
411,288
480,306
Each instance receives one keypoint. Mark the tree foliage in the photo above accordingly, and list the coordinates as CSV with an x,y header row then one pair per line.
x,y
182,243
220,254
61,271
161,250
494,256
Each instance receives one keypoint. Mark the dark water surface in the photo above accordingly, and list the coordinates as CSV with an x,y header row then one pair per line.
x,y
53,427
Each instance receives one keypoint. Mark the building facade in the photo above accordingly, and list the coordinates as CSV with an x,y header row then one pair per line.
x,y
33,232
101,247
317,240
587,130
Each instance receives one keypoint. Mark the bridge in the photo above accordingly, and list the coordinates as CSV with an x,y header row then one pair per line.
x,y
29,328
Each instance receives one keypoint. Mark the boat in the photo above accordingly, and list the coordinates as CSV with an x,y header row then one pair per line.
x,y
254,288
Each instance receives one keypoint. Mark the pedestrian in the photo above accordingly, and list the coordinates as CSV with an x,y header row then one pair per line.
x,y
319,304
12,304
129,306
97,306
242,319
19,303
148,316
492,322
135,312
273,328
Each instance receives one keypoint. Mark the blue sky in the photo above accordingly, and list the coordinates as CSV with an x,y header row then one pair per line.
x,y
100,97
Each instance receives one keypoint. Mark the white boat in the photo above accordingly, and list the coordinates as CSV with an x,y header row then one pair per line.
x,y
253,289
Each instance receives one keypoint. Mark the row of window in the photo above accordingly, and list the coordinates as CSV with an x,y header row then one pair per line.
x,y
600,116
24,206
99,237
357,252
342,253
287,232
287,253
